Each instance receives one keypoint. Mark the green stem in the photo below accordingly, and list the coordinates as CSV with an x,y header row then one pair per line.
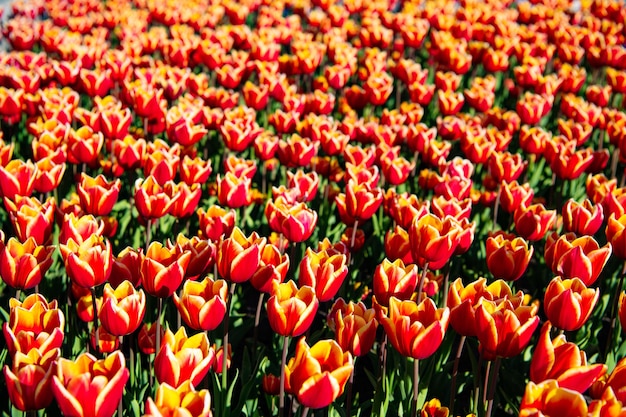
x,y
225,345
283,363
455,371
421,284
614,310
94,305
492,386
416,390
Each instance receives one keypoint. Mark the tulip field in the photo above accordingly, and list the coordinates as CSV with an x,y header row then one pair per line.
x,y
313,208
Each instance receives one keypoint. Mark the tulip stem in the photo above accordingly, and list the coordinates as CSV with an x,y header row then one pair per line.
x,y
148,233
225,345
455,371
281,395
421,284
305,412
352,239
496,205
614,310
493,379
349,390
416,389
94,305
158,326
18,294
257,318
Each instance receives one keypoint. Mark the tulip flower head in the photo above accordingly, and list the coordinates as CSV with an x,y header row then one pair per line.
x,y
318,374
290,309
89,387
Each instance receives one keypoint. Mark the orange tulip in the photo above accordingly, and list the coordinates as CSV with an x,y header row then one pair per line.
x,y
97,195
29,379
30,218
354,326
202,305
503,329
122,308
568,303
272,268
394,279
317,375
607,406
89,387
129,151
216,222
17,178
88,263
615,235
464,300
563,361
238,257
548,399
233,191
163,269
433,240
181,401
22,266
33,324
414,330
183,358
533,222
194,170
290,309
151,200
576,257
582,218
360,202
324,271
507,256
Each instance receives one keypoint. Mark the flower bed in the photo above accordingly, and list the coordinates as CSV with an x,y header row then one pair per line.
x,y
378,208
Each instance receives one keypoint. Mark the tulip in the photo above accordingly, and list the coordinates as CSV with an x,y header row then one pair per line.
x,y
84,145
79,228
608,405
414,330
614,382
97,196
186,200
572,257
151,200
163,269
503,329
397,245
126,267
89,387
290,309
568,303
202,255
22,266
33,324
324,271
102,341
394,279
354,326
88,263
563,361
181,401
194,171
359,203
202,305
507,256
31,218
238,257
295,221
216,222
123,308
615,235
183,359
49,174
17,178
582,219
548,399
433,240
233,191
29,379
161,161
272,268
533,222
129,151
464,300
317,375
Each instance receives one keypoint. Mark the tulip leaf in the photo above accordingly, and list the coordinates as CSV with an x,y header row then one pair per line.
x,y
134,407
